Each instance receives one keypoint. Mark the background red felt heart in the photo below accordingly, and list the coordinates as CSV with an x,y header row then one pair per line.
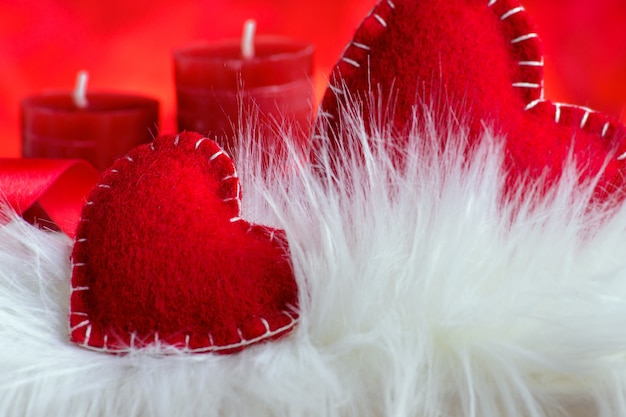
x,y
480,59
163,257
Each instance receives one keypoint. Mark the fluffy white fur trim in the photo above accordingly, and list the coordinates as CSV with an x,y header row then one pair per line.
x,y
422,295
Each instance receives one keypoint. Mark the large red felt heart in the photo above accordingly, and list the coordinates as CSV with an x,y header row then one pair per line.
x,y
482,59
162,257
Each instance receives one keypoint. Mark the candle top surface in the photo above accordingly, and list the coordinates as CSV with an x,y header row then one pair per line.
x,y
221,65
99,102
272,48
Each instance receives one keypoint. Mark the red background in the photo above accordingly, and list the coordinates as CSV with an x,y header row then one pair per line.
x,y
126,45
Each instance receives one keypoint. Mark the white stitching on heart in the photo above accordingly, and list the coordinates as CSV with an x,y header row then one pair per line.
x,y
87,336
527,61
585,118
216,155
247,342
80,325
236,196
557,113
526,85
518,39
511,12
266,325
237,193
525,37
212,347
534,103
351,62
361,46
539,62
531,63
380,19
354,63
198,143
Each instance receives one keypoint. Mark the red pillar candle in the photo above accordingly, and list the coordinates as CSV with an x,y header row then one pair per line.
x,y
96,126
220,84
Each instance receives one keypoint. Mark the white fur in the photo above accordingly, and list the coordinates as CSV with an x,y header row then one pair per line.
x,y
422,295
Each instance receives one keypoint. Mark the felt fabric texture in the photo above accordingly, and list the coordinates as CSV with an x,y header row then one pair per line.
x,y
163,259
423,293
483,60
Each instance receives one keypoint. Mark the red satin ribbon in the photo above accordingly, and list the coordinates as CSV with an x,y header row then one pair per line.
x,y
57,187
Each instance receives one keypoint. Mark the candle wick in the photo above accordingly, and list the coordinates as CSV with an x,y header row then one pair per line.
x,y
247,40
80,90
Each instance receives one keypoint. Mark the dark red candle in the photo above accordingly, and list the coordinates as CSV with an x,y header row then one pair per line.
x,y
220,85
99,131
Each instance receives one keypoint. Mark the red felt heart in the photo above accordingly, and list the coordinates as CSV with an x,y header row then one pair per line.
x,y
162,257
482,58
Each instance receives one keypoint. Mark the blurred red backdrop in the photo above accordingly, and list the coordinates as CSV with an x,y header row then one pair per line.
x,y
127,45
